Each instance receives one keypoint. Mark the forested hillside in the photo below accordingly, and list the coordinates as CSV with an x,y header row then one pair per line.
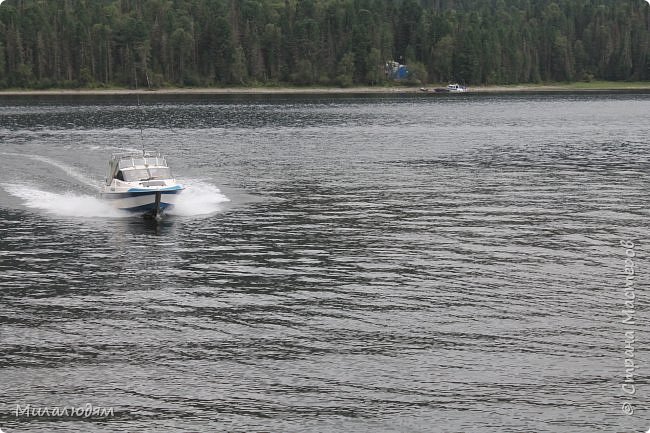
x,y
72,43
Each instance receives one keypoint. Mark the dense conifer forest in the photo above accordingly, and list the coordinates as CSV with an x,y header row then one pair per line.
x,y
96,43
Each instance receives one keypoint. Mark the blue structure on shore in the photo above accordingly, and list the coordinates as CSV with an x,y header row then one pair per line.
x,y
395,70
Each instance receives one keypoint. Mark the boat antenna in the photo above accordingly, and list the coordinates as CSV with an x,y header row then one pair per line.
x,y
140,109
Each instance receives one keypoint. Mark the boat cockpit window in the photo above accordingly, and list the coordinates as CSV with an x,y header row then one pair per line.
x,y
136,174
160,173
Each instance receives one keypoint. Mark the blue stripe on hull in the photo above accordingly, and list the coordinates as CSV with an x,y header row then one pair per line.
x,y
120,195
169,188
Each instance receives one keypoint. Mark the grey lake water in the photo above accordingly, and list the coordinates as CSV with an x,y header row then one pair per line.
x,y
377,263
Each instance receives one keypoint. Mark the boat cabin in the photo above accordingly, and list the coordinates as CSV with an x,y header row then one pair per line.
x,y
137,168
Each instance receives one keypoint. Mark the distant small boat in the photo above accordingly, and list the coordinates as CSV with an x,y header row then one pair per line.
x,y
452,88
141,183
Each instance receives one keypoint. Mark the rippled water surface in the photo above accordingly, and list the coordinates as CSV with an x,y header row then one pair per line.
x,y
353,264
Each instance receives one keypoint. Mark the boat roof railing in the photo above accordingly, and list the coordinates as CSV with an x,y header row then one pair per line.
x,y
131,160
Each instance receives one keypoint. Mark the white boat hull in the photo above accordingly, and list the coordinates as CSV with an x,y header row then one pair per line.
x,y
144,201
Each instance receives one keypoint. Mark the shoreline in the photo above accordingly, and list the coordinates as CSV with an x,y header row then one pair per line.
x,y
523,88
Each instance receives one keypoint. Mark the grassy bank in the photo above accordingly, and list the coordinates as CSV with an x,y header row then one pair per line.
x,y
515,88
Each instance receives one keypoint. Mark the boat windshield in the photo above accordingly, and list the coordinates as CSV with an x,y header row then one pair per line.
x,y
136,174
160,173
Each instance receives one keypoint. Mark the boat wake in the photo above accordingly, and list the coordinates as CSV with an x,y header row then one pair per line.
x,y
68,204
199,199
69,170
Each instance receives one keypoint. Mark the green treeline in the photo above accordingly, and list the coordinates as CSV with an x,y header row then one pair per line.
x,y
85,43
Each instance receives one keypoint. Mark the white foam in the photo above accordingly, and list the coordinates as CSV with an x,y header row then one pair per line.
x,y
199,198
67,204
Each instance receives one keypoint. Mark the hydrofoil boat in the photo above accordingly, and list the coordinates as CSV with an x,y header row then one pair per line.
x,y
141,183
